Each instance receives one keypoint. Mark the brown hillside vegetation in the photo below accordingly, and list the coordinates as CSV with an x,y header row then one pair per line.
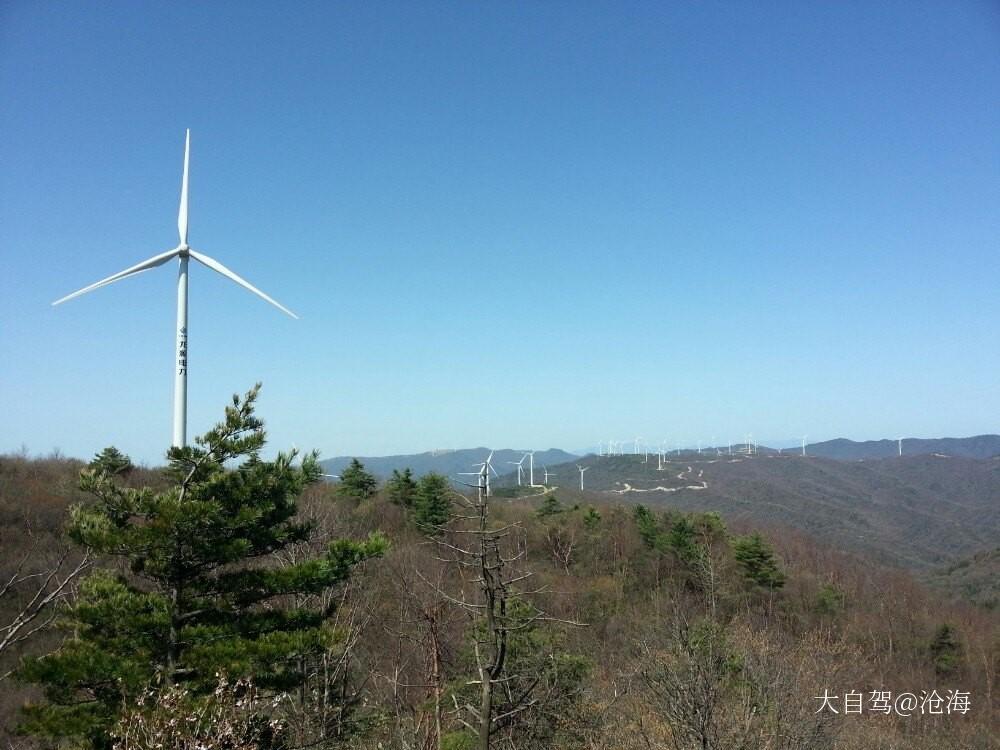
x,y
656,630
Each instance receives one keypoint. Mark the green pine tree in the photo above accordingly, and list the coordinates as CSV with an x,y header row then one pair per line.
x,y
550,506
356,483
758,561
682,541
112,461
945,650
432,505
649,530
401,488
199,592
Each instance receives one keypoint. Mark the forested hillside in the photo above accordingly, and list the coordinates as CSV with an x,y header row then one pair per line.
x,y
404,615
919,512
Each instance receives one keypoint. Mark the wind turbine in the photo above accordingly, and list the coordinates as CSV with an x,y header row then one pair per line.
x,y
531,469
582,469
520,468
484,472
183,253
900,447
548,474
804,444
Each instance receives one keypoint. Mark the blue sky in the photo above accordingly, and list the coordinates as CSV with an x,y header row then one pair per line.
x,y
505,224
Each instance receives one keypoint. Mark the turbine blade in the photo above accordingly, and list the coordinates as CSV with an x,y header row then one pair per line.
x,y
156,260
182,213
221,269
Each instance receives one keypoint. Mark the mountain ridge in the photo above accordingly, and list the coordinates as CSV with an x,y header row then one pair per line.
x,y
843,449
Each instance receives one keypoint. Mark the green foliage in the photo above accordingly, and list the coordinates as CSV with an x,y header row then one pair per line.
x,y
682,540
710,526
829,599
683,536
202,594
432,506
945,650
758,562
591,519
401,488
649,530
550,506
355,483
111,461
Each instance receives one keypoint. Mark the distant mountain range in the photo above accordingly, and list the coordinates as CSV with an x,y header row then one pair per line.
x,y
980,446
449,462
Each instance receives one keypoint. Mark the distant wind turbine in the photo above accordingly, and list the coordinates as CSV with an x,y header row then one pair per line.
x,y
804,444
900,447
183,253
582,469
520,468
548,474
484,472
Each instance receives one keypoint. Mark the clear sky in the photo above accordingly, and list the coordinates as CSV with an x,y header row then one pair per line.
x,y
506,224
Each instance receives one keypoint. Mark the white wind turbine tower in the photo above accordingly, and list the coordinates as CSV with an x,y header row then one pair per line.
x,y
520,468
582,469
531,469
548,474
804,444
484,473
900,440
183,253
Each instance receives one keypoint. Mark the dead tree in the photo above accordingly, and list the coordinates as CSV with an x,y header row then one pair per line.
x,y
489,561
39,592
